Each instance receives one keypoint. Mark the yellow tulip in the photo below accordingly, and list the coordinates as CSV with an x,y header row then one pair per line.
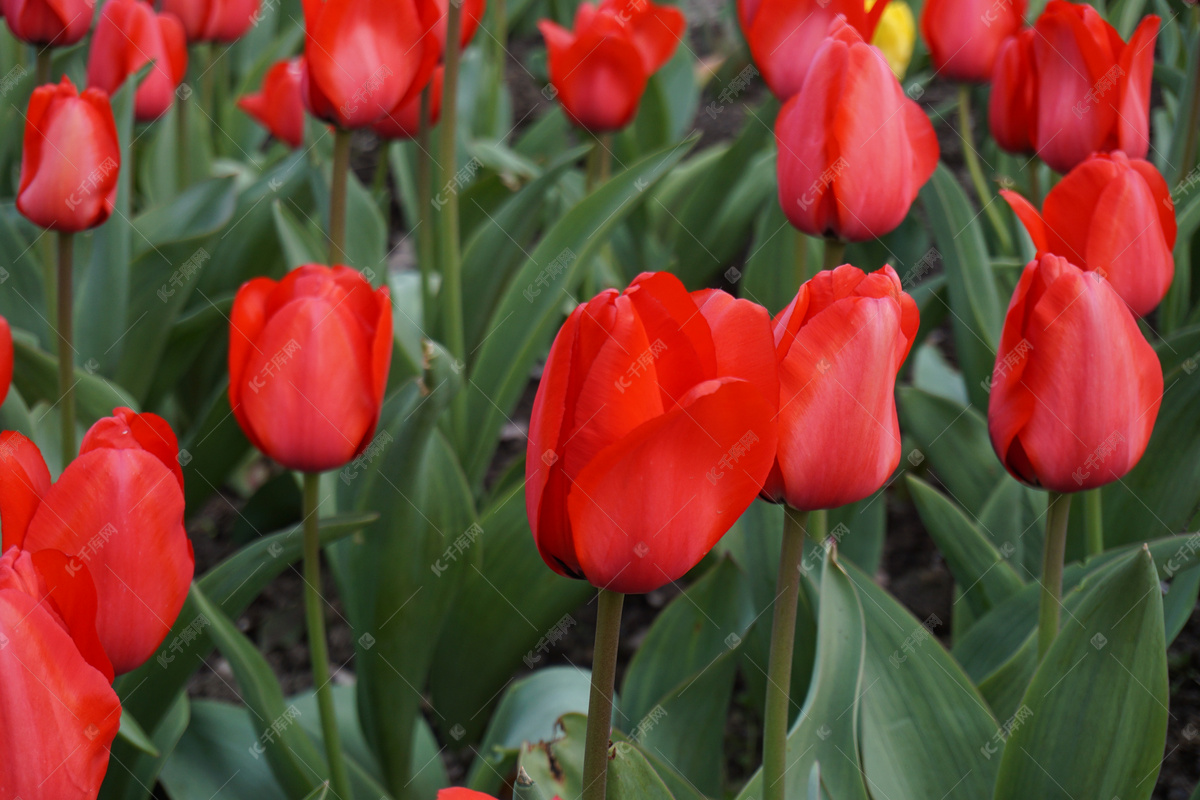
x,y
896,35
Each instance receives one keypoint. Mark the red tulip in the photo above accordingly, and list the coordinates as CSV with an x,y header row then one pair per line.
x,y
964,36
71,158
404,121
652,431
279,107
599,70
214,20
1112,215
129,34
364,56
6,358
308,364
1012,107
853,149
839,345
785,35
45,23
1093,90
466,794
116,509
59,712
1076,388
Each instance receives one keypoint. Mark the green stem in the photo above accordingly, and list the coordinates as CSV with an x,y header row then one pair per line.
x,y
1188,160
183,153
337,197
1052,570
42,66
66,349
599,161
451,287
314,613
499,11
604,672
1093,518
426,244
379,181
800,240
779,667
972,158
835,253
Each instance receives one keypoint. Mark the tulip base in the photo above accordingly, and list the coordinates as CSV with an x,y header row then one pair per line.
x,y
779,666
66,346
1057,511
600,703
314,614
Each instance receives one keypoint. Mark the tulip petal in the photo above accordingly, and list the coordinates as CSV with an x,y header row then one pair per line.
x,y
246,322
1133,103
58,713
1035,226
121,513
6,358
599,77
24,480
71,592
128,429
741,332
652,504
684,354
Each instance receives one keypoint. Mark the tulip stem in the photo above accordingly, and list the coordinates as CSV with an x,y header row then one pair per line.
x,y
1057,511
337,197
971,156
779,667
1093,518
426,245
599,161
183,152
499,32
801,259
451,287
600,703
42,66
314,613
66,349
835,252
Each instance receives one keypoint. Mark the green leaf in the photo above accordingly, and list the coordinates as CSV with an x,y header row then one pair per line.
x,y
215,756
827,729
507,604
979,568
131,732
522,326
141,771
35,374
677,688
299,242
954,439
770,277
1112,642
974,298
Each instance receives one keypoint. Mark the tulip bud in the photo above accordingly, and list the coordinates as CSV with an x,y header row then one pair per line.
x,y
599,69
1093,89
652,431
363,57
70,160
1111,215
308,364
853,149
61,715
785,35
1076,388
404,121
116,509
1012,107
279,107
6,358
964,36
839,345
48,24
129,34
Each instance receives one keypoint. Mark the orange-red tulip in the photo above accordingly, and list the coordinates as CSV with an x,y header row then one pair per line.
x,y
70,160
279,107
404,121
839,345
48,24
129,35
1076,388
964,36
854,150
308,364
117,509
599,70
785,35
1111,215
6,358
1012,106
652,431
363,57
59,712
214,20
1093,89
